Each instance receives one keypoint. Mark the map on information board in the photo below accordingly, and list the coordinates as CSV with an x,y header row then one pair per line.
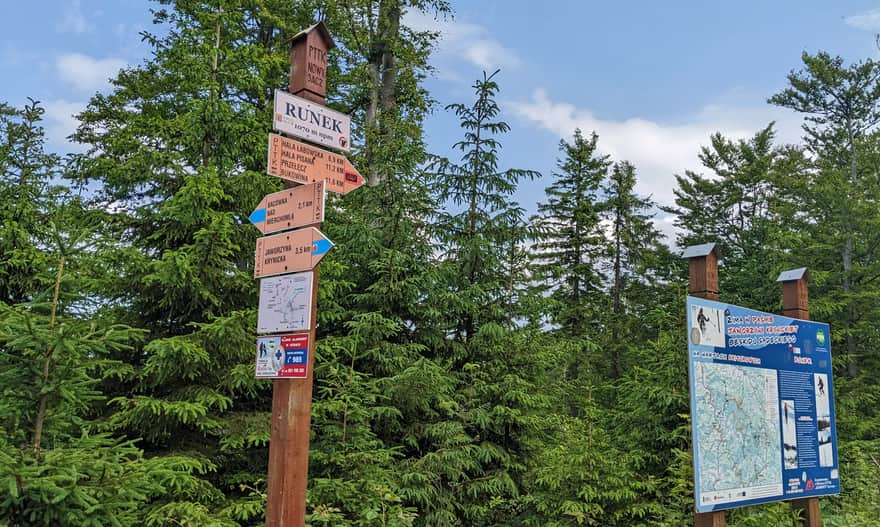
x,y
285,303
761,405
739,428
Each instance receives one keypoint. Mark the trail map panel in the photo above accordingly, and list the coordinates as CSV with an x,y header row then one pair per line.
x,y
762,407
285,303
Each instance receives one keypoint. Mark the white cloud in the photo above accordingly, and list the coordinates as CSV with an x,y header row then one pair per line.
x,y
61,122
867,21
87,73
462,41
658,150
488,54
74,21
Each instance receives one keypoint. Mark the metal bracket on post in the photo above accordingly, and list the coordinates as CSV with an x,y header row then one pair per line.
x,y
703,283
796,304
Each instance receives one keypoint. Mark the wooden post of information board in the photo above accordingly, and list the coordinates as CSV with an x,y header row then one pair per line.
x,y
796,304
292,398
703,283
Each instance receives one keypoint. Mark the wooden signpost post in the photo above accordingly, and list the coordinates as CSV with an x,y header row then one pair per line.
x,y
796,304
703,283
289,357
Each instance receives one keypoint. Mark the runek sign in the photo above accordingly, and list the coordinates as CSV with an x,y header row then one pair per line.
x,y
304,119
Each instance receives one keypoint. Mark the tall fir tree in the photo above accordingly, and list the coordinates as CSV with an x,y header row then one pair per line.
x,y
833,220
841,106
568,248
493,391
56,466
177,152
190,188
26,173
737,206
632,246
379,386
483,215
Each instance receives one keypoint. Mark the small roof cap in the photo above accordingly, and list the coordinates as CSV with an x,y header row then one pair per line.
x,y
698,250
321,28
793,274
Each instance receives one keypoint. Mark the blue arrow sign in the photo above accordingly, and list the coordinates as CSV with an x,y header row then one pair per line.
x,y
321,246
258,216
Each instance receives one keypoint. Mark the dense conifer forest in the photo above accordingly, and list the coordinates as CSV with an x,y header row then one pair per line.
x,y
476,365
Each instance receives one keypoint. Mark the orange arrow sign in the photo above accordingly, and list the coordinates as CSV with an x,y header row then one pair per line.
x,y
302,163
290,209
290,252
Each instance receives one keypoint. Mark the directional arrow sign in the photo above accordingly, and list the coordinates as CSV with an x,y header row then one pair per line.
x,y
290,209
302,163
290,252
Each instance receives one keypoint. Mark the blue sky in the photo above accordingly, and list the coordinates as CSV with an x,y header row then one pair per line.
x,y
653,79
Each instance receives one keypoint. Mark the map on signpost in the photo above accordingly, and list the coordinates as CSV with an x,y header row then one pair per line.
x,y
285,303
738,437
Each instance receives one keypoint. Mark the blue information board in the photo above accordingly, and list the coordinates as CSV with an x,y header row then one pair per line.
x,y
762,406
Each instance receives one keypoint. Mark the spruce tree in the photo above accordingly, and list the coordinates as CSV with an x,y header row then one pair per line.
x,y
738,206
26,173
482,212
831,216
378,386
56,356
632,246
841,106
569,238
176,154
482,433
180,146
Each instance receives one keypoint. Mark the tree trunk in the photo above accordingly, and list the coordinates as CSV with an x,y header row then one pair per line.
x,y
383,85
616,368
847,254
47,363
472,223
208,138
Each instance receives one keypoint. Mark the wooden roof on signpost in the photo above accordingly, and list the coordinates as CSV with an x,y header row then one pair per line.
x,y
322,30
